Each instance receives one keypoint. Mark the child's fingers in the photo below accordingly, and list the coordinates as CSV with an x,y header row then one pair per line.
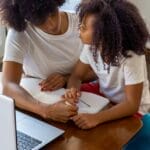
x,y
75,93
76,118
78,94
67,95
72,95
70,102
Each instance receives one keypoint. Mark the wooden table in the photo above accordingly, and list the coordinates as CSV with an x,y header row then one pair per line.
x,y
109,136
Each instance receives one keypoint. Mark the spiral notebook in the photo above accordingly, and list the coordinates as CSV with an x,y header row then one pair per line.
x,y
88,102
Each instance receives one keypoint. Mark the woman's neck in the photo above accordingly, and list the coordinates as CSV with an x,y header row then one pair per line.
x,y
61,27
64,22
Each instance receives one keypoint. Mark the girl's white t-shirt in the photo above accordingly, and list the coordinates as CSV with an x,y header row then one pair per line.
x,y
43,54
131,71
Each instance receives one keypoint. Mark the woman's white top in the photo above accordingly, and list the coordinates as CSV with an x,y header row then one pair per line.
x,y
43,54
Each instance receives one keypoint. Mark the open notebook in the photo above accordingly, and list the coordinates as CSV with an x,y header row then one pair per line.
x,y
88,102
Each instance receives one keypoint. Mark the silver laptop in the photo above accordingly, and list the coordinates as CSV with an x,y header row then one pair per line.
x,y
19,131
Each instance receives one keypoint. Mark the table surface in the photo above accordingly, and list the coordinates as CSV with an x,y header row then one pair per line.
x,y
112,135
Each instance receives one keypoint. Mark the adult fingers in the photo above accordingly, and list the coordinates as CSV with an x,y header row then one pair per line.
x,y
56,84
42,82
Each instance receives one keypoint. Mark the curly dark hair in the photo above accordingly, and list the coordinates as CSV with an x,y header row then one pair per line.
x,y
118,28
16,13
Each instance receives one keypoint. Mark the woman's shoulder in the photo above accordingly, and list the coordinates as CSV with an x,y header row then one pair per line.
x,y
14,35
23,36
72,15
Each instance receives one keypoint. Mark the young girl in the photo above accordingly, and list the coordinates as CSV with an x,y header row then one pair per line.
x,y
114,35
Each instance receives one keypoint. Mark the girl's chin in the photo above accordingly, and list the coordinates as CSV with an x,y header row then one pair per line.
x,y
85,42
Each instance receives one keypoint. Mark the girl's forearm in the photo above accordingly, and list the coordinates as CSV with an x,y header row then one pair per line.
x,y
81,73
90,76
74,82
118,111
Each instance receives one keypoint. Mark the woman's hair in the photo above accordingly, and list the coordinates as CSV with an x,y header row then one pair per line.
x,y
118,28
16,13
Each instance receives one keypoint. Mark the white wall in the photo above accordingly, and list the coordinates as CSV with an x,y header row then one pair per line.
x,y
144,7
70,5
2,41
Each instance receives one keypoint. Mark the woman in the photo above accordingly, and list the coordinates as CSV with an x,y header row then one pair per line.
x,y
44,43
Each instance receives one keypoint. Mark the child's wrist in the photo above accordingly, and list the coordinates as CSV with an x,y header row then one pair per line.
x,y
99,118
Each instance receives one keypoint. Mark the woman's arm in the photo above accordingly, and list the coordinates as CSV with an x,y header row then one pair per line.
x,y
127,107
56,81
11,78
12,73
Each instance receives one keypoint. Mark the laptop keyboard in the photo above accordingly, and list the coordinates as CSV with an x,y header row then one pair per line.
x,y
25,142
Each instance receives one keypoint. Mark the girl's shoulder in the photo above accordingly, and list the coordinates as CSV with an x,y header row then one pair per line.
x,y
87,49
134,59
134,56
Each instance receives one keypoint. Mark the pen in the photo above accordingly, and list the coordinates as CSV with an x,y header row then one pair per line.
x,y
67,103
84,103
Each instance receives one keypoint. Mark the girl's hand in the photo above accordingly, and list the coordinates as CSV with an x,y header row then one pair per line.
x,y
72,95
59,111
86,121
53,82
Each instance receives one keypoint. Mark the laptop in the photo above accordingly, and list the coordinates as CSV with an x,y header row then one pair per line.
x,y
19,131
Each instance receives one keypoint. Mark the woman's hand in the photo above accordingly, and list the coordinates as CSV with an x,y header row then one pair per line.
x,y
86,121
53,82
59,111
72,96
